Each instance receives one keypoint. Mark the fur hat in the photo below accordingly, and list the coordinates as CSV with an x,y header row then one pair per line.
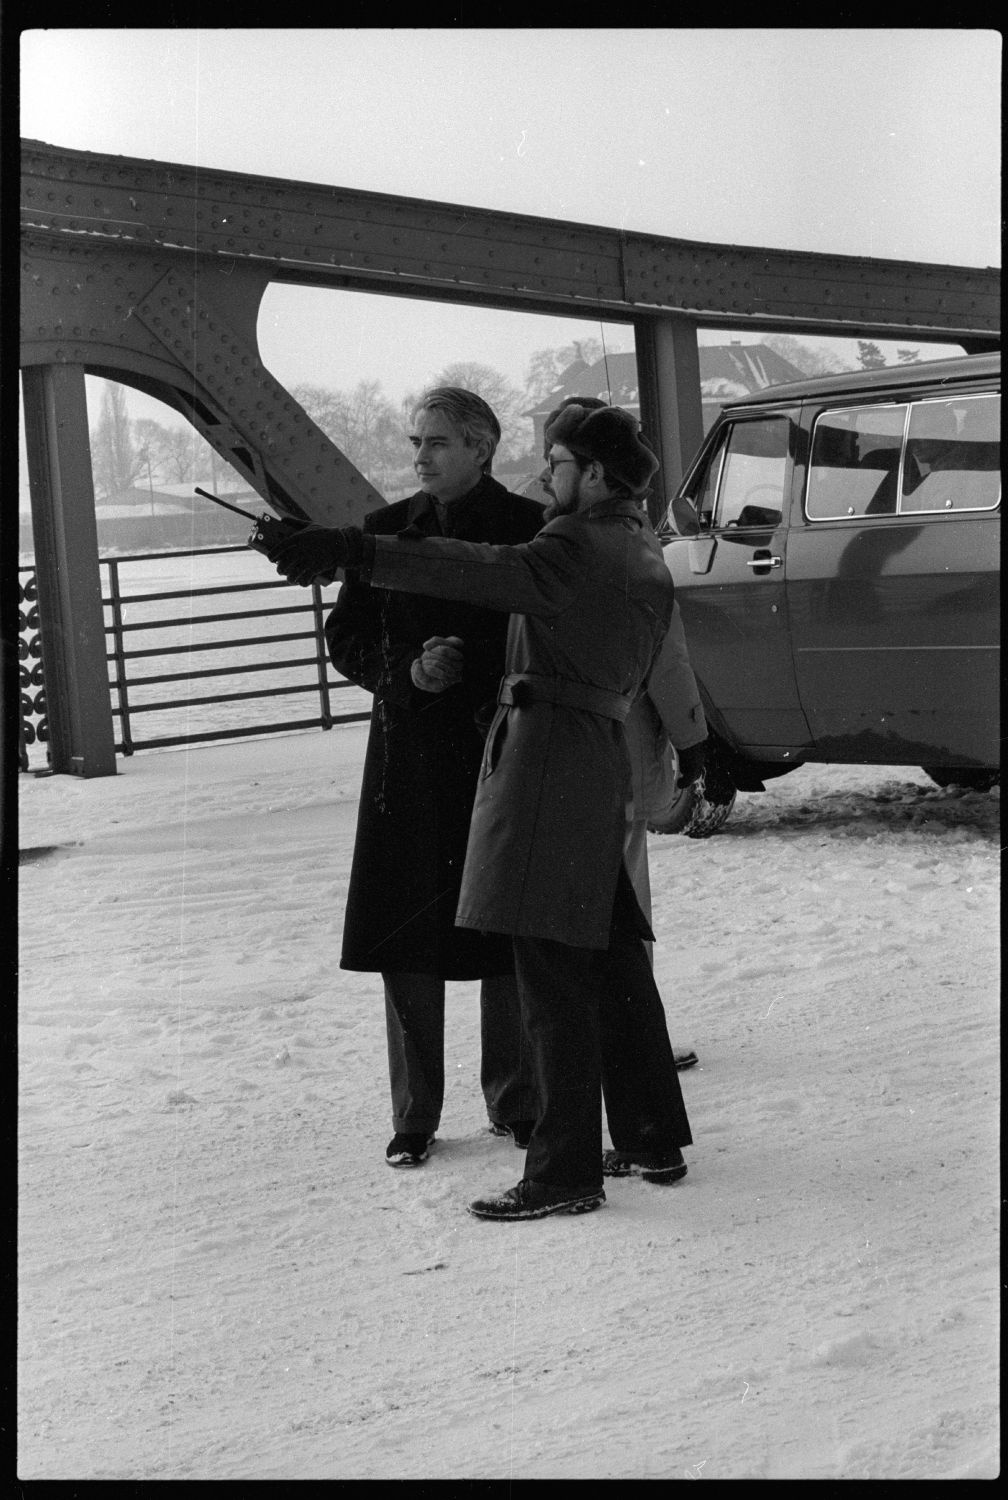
x,y
610,436
590,403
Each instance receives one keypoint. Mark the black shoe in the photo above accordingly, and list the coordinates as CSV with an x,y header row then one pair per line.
x,y
408,1150
652,1166
520,1130
684,1060
534,1200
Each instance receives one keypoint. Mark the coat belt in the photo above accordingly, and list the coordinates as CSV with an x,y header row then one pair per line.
x,y
523,687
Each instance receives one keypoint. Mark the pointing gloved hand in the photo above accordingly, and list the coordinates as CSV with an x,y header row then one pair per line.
x,y
691,763
315,552
440,665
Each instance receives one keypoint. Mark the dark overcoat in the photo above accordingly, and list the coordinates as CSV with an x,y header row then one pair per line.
x,y
591,600
424,749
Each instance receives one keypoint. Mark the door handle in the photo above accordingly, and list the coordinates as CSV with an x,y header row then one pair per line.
x,y
765,562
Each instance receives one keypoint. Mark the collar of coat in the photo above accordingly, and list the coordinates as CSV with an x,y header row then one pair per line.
x,y
421,505
619,506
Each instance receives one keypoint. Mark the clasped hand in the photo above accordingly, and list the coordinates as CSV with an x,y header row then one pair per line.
x,y
440,665
314,553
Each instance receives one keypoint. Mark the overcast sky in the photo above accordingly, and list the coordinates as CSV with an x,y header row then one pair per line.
x,y
860,142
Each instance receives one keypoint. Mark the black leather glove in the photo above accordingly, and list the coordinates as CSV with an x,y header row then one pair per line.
x,y
316,552
691,763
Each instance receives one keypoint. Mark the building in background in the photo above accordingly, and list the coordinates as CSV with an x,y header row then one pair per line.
x,y
163,518
726,372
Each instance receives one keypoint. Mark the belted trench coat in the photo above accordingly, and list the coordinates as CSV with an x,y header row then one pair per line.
x,y
424,749
590,600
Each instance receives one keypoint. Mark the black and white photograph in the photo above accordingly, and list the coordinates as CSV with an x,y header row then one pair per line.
x,y
506,782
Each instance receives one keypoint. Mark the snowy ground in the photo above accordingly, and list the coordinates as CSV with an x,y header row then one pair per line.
x,y
220,1278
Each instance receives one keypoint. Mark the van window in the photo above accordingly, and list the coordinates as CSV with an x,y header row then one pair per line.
x,y
705,484
952,455
753,474
924,457
855,462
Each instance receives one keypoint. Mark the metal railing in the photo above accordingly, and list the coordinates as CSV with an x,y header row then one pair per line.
x,y
129,621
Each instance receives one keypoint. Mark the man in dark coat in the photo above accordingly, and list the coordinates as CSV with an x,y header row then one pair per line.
x,y
667,711
434,668
590,601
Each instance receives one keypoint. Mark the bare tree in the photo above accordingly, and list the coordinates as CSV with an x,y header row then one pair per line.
x,y
364,425
329,410
547,365
804,357
116,463
175,453
377,442
506,401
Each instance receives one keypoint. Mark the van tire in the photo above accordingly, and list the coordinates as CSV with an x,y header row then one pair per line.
x,y
974,777
676,809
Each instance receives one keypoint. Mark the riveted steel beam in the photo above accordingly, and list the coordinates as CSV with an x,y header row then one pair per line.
x,y
295,459
878,296
184,331
347,237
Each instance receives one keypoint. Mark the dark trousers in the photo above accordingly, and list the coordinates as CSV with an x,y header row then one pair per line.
x,y
596,1029
414,1026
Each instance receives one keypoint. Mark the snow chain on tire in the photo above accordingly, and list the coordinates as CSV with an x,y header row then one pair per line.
x,y
707,817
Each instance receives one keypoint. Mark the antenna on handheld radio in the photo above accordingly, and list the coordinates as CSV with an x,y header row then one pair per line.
x,y
226,504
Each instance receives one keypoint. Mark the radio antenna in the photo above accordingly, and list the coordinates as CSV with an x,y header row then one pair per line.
x,y
605,361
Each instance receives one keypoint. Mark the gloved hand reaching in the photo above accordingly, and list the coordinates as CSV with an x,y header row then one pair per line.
x,y
440,665
691,763
316,552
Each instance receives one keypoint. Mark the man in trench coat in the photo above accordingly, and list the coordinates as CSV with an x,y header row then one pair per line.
x,y
590,600
667,711
433,667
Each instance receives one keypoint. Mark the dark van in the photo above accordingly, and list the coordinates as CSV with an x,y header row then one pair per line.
x,y
835,550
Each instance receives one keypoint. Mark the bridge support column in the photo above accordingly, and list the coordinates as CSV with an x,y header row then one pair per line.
x,y
668,367
71,622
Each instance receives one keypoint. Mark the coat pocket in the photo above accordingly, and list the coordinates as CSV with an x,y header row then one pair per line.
x,y
494,741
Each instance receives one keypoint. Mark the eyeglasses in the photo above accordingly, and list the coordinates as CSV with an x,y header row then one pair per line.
x,y
554,463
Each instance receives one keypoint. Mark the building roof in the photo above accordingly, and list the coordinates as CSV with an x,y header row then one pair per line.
x,y
947,372
726,370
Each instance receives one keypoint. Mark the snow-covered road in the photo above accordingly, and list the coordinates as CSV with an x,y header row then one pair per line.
x,y
220,1278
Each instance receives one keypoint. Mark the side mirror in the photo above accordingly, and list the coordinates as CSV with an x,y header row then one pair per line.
x,y
683,517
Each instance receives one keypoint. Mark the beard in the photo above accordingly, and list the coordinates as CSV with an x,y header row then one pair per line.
x,y
558,508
